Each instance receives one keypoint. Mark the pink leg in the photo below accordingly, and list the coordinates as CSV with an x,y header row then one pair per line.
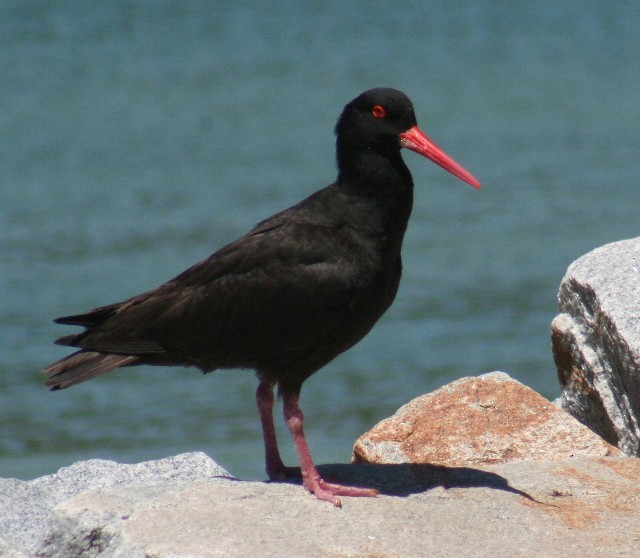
x,y
276,469
311,479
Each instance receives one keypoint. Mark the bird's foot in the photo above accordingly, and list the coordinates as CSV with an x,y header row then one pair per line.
x,y
329,492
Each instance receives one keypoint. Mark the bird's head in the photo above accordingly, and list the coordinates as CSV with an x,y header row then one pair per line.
x,y
384,120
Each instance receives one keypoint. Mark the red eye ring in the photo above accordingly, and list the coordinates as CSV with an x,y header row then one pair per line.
x,y
378,111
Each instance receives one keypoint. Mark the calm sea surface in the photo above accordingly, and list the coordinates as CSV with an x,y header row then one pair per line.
x,y
138,137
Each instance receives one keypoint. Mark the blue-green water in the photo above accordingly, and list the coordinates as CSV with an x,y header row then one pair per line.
x,y
138,137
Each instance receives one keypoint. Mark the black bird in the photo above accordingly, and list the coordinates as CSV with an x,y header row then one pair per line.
x,y
290,295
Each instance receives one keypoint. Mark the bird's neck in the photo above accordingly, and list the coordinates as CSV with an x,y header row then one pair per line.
x,y
383,183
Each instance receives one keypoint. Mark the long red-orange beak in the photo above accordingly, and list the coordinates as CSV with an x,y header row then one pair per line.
x,y
417,141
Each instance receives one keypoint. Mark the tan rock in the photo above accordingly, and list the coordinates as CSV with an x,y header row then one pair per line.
x,y
581,507
486,419
186,506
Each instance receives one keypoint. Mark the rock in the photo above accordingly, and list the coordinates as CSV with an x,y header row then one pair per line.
x,y
565,499
596,342
25,506
188,506
578,507
9,551
487,419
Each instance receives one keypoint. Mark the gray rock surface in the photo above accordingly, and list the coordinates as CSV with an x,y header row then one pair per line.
x,y
187,506
486,419
596,342
26,506
577,507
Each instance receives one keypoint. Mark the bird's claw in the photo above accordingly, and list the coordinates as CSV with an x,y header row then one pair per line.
x,y
329,492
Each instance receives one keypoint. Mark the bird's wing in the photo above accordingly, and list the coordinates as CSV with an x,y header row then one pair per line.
x,y
283,287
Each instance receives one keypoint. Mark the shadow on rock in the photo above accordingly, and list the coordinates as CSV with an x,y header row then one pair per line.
x,y
405,479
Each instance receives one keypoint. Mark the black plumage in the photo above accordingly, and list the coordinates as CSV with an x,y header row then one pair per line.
x,y
289,296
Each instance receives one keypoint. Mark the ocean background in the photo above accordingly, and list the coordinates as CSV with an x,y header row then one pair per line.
x,y
138,137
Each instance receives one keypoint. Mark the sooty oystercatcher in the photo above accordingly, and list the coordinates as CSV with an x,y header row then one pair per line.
x,y
290,295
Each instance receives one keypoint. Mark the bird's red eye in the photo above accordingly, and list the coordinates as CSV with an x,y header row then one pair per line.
x,y
378,111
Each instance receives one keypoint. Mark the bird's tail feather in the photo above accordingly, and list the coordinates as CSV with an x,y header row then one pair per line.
x,y
83,365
